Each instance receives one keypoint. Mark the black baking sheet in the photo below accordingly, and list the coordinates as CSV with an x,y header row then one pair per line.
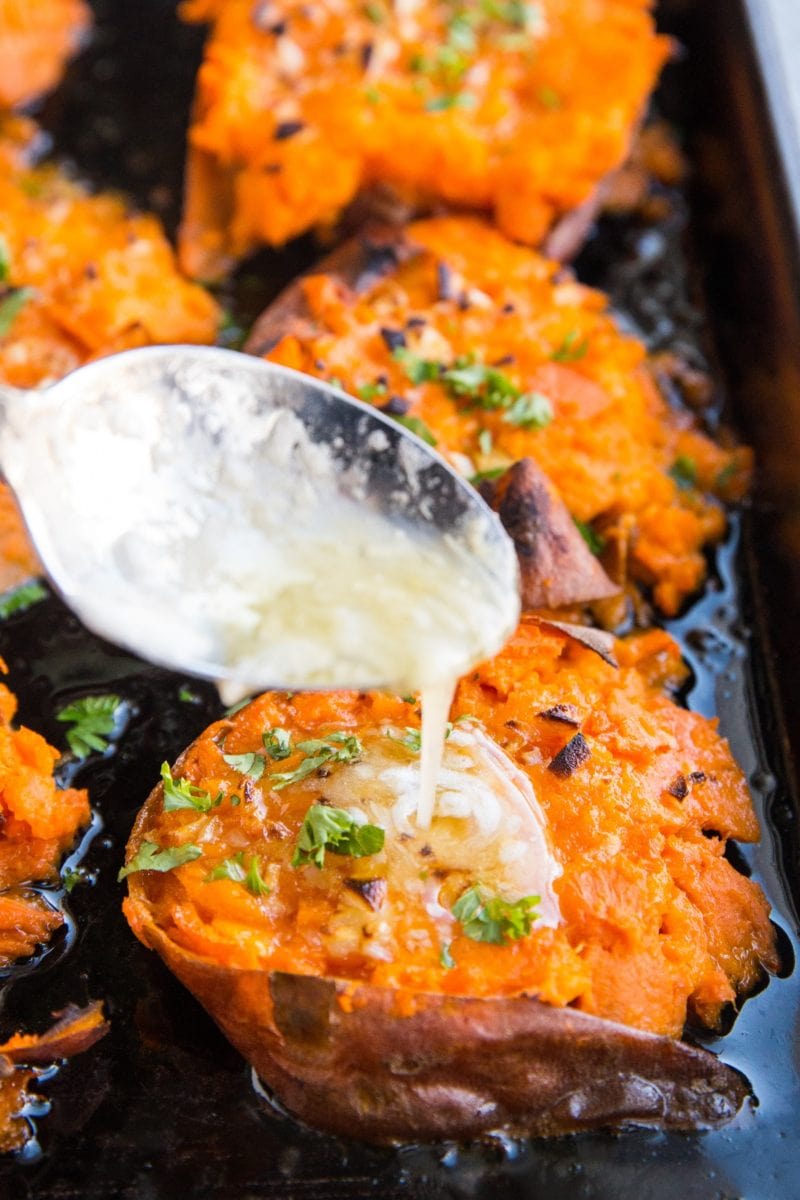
x,y
163,1107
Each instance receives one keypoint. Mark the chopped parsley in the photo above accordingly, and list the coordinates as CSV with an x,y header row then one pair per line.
x,y
572,349
72,876
595,541
375,13
480,386
234,869
335,748
411,739
445,957
416,426
181,793
326,828
277,743
11,306
485,441
450,100
368,392
92,719
237,707
484,476
532,410
684,472
187,696
152,857
492,919
418,370
252,765
21,598
5,261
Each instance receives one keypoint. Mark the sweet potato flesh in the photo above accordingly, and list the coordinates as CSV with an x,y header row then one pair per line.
x,y
516,109
612,445
654,922
36,39
38,822
100,279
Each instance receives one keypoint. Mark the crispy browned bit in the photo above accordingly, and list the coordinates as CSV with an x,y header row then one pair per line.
x,y
287,129
75,1030
373,891
557,567
570,757
698,777
679,788
598,640
567,714
394,339
426,851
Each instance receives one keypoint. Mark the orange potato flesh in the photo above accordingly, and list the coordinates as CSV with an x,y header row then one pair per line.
x,y
655,922
36,40
613,441
101,279
39,822
521,112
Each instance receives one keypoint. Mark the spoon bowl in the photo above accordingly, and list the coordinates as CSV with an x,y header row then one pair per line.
x,y
237,520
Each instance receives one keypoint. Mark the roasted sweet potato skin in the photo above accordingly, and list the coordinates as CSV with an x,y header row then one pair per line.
x,y
506,109
646,478
387,1066
652,917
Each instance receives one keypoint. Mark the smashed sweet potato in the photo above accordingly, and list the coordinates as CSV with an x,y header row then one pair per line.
x,y
38,822
579,785
81,275
75,1030
521,110
36,41
482,347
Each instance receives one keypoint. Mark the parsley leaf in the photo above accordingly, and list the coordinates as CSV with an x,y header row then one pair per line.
x,y
418,370
251,765
234,869
326,828
595,541
11,306
485,386
22,597
277,743
152,857
418,427
5,261
445,957
572,349
370,391
492,919
684,472
530,411
336,748
411,739
180,793
72,876
92,718
483,476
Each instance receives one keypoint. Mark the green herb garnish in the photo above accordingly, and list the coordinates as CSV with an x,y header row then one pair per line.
x,y
418,370
550,98
11,306
492,919
530,411
5,261
370,391
416,426
684,472
234,869
181,793
572,349
335,748
252,765
445,957
92,718
20,598
326,828
277,743
152,857
71,877
483,476
595,541
411,739
238,706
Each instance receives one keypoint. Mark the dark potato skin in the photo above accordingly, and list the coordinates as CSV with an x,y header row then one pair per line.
x,y
455,1068
556,566
394,1066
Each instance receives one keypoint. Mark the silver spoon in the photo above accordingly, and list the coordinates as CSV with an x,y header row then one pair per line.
x,y
236,520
